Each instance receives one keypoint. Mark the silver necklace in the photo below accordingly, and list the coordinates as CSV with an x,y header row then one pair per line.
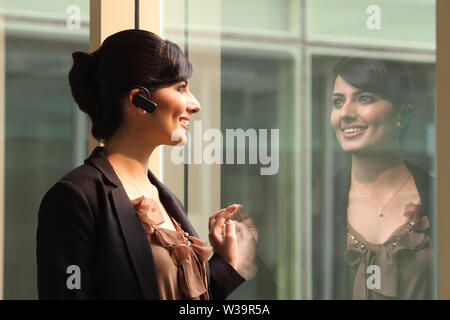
x,y
154,205
380,210
133,184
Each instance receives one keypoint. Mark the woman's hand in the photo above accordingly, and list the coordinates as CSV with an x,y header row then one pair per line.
x,y
235,240
247,236
222,236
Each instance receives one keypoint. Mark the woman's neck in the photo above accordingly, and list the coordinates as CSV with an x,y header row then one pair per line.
x,y
378,171
128,156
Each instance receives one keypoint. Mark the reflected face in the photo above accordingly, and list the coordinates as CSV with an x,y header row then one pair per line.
x,y
362,121
171,118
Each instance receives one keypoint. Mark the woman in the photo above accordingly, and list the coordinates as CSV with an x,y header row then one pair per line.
x,y
110,229
383,203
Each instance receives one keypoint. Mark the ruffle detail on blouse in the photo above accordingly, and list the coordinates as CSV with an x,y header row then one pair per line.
x,y
398,250
187,252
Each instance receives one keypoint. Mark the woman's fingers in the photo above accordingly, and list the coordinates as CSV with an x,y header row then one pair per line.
x,y
218,218
233,236
230,231
244,217
213,218
230,242
220,221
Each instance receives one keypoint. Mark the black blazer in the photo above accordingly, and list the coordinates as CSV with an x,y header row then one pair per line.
x,y
86,219
424,183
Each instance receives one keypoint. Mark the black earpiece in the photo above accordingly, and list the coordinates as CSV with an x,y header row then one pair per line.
x,y
144,102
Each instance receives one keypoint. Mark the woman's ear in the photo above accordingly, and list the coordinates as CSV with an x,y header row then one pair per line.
x,y
405,115
130,97
141,99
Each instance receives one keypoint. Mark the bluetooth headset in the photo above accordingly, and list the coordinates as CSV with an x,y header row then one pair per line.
x,y
143,102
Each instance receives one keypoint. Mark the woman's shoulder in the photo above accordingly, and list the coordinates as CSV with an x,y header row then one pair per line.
x,y
426,186
82,174
424,181
77,196
417,169
82,181
84,177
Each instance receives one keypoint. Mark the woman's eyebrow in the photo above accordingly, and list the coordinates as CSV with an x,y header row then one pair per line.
x,y
356,93
359,92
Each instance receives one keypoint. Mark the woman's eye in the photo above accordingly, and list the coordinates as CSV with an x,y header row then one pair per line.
x,y
366,99
337,103
182,87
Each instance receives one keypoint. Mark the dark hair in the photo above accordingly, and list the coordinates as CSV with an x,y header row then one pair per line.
x,y
101,80
391,80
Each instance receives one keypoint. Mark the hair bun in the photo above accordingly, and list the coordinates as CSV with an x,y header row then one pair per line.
x,y
82,82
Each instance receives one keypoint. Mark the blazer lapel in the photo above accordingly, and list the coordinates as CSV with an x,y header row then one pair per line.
x,y
425,185
175,208
172,205
133,233
137,243
341,189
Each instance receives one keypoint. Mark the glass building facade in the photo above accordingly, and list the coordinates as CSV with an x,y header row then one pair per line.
x,y
265,67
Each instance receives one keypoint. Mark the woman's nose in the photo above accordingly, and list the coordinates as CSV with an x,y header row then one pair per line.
x,y
193,106
348,110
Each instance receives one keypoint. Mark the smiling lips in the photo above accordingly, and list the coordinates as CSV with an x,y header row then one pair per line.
x,y
352,131
184,122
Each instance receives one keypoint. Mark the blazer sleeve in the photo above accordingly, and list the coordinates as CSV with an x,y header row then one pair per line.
x,y
224,279
65,244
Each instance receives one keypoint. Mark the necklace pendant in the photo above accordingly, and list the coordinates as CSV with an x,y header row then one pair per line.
x,y
380,213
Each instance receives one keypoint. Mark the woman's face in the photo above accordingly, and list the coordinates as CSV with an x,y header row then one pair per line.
x,y
362,121
170,120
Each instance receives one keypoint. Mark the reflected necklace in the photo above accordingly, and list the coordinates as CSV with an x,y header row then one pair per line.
x,y
380,210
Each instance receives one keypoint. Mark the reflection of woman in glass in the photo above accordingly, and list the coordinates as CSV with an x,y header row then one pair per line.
x,y
110,229
383,203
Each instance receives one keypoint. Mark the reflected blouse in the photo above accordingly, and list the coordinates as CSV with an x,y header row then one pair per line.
x,y
403,263
179,258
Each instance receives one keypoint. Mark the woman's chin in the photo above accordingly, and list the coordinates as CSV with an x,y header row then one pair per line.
x,y
178,138
357,149
369,150
350,149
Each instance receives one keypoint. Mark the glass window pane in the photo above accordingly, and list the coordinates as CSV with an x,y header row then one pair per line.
x,y
351,206
267,17
329,161
260,86
45,135
382,23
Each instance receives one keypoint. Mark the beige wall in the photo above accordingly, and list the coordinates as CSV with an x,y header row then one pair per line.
x,y
443,145
2,147
107,17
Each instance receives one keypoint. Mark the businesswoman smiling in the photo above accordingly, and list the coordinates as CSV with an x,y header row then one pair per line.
x,y
382,203
110,229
